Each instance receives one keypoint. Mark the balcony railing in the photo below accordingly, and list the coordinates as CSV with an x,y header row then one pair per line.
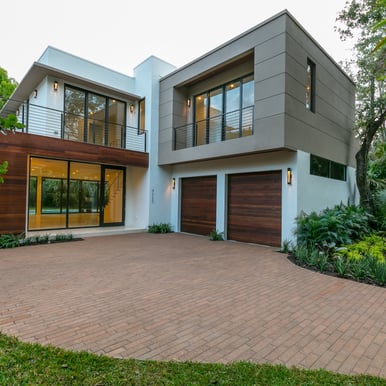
x,y
52,123
235,124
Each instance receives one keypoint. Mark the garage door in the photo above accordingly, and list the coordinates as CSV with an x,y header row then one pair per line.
x,y
198,205
254,208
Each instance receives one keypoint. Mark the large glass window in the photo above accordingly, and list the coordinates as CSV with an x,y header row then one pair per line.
x,y
225,112
94,118
66,194
74,118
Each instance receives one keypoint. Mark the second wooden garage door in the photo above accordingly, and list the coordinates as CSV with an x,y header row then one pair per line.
x,y
254,208
198,205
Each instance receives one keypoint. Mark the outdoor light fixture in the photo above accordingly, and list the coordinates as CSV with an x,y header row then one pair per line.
x,y
289,176
188,102
56,85
35,93
132,108
173,183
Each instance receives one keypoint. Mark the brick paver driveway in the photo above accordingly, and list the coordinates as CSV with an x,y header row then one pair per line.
x,y
183,297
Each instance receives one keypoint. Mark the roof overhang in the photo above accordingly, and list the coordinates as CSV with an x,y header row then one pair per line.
x,y
39,71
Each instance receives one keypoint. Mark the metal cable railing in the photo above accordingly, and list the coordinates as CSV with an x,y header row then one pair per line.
x,y
55,123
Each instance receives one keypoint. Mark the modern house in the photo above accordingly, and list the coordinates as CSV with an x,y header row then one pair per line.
x,y
240,140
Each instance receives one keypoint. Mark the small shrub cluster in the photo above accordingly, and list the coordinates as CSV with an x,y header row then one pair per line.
x,y
13,241
215,235
340,241
160,228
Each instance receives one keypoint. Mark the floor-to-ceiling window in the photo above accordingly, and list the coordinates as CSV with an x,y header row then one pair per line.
x,y
68,194
225,112
93,118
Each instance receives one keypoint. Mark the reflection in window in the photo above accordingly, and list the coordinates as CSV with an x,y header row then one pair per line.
x,y
66,194
310,86
53,196
94,118
325,168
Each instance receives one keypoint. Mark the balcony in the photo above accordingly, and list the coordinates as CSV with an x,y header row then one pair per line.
x,y
54,123
223,127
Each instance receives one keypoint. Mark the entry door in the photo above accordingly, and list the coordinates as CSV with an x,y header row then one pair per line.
x,y
113,195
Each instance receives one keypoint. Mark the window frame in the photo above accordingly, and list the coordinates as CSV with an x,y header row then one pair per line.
x,y
328,166
311,83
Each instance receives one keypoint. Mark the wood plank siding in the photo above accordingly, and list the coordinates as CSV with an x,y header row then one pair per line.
x,y
198,205
17,148
254,208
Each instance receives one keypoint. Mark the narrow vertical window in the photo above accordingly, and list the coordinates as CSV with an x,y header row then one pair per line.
x,y
310,86
141,116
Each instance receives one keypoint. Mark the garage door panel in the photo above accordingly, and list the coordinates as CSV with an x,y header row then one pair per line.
x,y
254,207
198,204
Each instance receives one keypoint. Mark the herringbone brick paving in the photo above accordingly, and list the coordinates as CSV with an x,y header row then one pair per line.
x,y
183,297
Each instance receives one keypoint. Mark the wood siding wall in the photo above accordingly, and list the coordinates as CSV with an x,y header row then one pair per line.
x,y
16,149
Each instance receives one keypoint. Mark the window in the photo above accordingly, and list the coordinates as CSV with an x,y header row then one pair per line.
x,y
141,116
93,118
68,194
325,168
310,86
225,112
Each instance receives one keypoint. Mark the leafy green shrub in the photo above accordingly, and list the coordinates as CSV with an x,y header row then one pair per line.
x,y
340,265
333,227
372,245
215,235
9,241
160,228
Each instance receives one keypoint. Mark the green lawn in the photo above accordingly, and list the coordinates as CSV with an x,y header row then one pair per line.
x,y
33,364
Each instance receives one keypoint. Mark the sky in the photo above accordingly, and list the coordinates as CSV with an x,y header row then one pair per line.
x,y
120,34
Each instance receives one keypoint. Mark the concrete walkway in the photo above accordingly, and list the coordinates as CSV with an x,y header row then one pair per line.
x,y
183,297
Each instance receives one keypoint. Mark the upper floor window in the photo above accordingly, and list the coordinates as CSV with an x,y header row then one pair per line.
x,y
325,168
141,116
225,112
310,86
93,118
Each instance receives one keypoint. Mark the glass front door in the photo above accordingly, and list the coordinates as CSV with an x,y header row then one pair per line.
x,y
113,189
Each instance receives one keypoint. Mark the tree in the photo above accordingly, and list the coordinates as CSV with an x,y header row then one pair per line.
x,y
10,123
7,86
358,21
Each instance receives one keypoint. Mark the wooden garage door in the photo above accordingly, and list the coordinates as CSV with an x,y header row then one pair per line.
x,y
198,205
254,208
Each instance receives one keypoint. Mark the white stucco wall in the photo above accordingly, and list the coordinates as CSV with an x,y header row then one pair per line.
x,y
317,193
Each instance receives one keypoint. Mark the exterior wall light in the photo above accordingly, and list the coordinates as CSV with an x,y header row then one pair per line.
x,y
35,93
173,183
131,108
188,102
289,176
56,85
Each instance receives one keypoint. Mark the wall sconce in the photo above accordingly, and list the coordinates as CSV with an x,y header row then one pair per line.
x,y
56,85
35,93
188,102
131,108
173,183
289,176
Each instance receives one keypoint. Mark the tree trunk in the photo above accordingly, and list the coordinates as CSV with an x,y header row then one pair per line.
x,y
361,177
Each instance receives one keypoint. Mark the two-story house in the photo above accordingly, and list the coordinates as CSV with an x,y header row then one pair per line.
x,y
240,140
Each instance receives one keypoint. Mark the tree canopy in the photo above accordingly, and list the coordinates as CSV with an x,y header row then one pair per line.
x,y
363,21
7,86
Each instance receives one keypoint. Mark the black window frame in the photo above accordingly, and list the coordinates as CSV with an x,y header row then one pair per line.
x,y
86,114
327,168
311,72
